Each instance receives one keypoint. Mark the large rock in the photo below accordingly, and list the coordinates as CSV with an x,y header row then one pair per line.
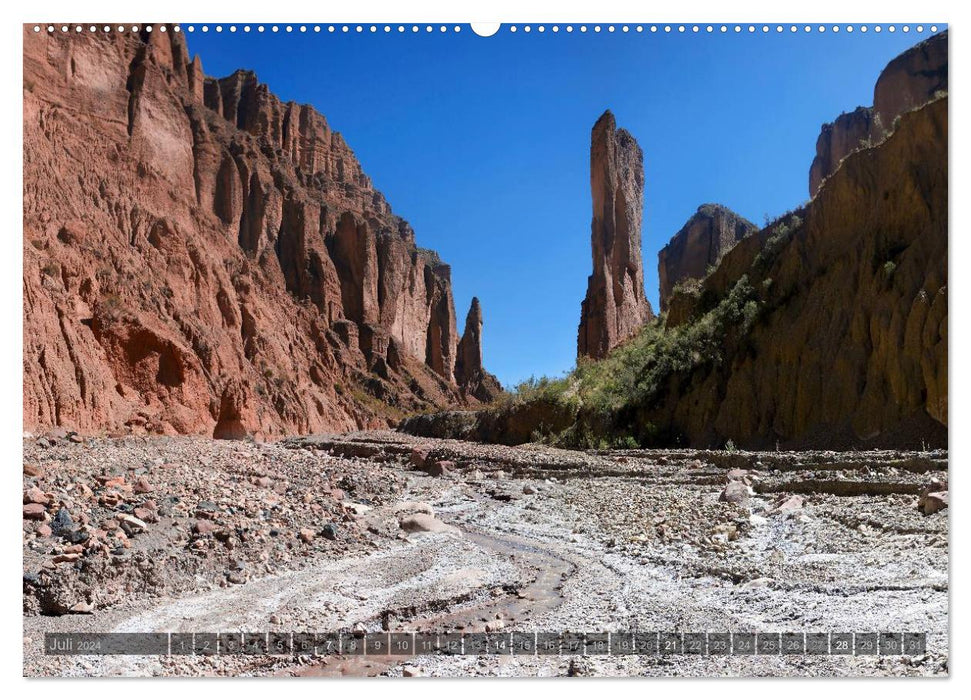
x,y
469,372
615,306
699,246
909,81
181,229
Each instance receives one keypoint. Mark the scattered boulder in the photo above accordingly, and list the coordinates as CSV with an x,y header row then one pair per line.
x,y
35,511
62,523
422,522
735,492
787,505
932,502
35,495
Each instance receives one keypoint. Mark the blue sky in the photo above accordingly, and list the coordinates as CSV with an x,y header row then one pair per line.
x,y
482,144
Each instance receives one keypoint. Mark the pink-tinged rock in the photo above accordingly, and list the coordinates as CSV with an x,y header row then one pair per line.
x,y
735,492
418,457
66,558
204,527
35,495
142,485
34,511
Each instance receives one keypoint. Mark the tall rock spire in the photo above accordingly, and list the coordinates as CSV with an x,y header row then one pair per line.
x,y
470,375
615,306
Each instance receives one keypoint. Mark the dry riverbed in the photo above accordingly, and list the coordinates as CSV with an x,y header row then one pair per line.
x,y
383,531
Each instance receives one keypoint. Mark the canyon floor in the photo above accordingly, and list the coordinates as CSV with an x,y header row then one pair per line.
x,y
383,531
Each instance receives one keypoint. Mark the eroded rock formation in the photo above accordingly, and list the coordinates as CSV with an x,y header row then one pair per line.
x,y
842,337
615,305
909,81
700,244
469,372
184,234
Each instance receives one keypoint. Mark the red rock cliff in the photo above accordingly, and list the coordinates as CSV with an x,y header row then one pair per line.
x,y
195,248
615,305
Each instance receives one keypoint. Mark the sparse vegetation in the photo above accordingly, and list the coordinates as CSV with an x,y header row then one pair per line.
x,y
635,374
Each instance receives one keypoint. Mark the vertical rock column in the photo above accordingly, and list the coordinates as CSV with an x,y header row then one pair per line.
x,y
615,306
470,375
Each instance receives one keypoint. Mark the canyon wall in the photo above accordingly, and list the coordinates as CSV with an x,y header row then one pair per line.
x,y
199,253
838,312
615,306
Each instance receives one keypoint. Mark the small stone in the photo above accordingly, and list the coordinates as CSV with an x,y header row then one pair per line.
x,y
737,475
410,672
329,531
35,495
756,583
529,489
82,608
149,516
142,485
789,505
735,492
204,527
66,558
43,530
933,502
418,457
131,525
306,535
438,467
34,511
421,522
33,470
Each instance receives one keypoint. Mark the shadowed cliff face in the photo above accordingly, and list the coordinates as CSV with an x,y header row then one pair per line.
x,y
847,337
908,81
615,305
700,244
196,248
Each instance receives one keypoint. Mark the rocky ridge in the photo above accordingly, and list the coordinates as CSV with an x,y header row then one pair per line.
x,y
195,247
699,246
910,80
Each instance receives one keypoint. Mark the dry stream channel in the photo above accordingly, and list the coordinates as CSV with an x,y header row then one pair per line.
x,y
537,539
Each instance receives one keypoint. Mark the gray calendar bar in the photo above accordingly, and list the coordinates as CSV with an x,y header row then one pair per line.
x,y
406,644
